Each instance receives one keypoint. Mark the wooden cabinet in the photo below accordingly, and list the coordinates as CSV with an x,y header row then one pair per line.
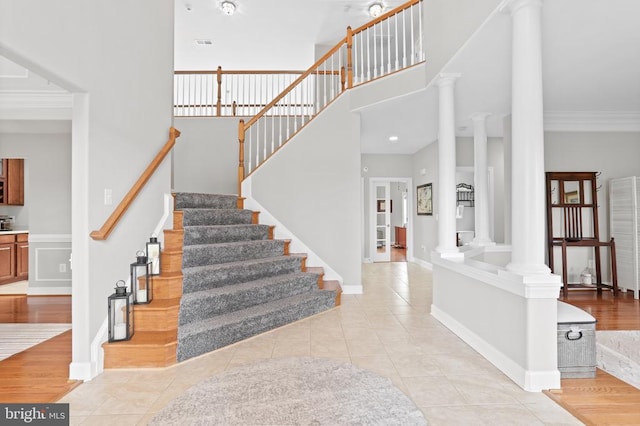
x,y
22,256
14,257
7,259
401,237
12,181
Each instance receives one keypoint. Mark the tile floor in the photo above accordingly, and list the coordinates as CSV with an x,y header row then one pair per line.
x,y
387,330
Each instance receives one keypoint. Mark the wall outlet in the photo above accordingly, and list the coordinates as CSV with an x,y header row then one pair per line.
x,y
63,267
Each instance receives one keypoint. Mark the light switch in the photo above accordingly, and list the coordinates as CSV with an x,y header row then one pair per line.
x,y
108,197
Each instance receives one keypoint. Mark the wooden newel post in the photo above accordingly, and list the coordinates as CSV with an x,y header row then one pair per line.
x,y
219,101
343,77
349,58
240,156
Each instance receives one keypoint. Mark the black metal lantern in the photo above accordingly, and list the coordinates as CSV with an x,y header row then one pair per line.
x,y
153,254
141,285
120,313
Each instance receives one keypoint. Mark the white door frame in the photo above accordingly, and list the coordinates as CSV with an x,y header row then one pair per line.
x,y
372,210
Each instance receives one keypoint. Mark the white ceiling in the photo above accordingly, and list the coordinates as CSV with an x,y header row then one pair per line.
x,y
591,62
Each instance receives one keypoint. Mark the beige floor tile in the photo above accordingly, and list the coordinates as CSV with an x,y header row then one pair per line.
x,y
414,365
327,348
285,348
551,413
516,414
481,389
452,416
365,346
430,391
129,398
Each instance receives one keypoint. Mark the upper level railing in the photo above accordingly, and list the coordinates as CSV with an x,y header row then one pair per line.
x,y
391,42
385,45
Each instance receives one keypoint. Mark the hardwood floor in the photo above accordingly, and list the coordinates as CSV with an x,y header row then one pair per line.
x,y
41,373
605,399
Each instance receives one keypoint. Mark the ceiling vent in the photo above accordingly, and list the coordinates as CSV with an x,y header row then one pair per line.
x,y
204,42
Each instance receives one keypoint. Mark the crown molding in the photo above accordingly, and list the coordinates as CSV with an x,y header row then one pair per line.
x,y
592,121
35,106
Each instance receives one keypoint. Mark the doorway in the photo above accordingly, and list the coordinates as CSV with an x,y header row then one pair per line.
x,y
389,238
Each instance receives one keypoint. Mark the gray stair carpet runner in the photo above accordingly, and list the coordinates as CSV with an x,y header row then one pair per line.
x,y
237,283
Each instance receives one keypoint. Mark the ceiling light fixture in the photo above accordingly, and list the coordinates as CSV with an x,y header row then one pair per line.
x,y
376,9
228,7
393,138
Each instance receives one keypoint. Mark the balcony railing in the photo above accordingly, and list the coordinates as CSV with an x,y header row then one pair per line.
x,y
387,44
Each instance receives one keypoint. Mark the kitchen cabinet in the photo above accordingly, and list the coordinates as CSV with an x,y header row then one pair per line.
x,y
14,257
12,181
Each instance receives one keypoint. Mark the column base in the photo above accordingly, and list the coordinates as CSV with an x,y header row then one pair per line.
x,y
482,242
528,269
450,253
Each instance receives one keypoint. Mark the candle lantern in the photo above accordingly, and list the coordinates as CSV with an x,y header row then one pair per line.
x,y
140,283
153,254
120,313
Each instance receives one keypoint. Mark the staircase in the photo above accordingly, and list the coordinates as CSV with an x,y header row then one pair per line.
x,y
223,279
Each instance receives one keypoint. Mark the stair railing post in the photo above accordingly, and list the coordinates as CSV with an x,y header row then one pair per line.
x,y
343,77
219,102
349,58
241,134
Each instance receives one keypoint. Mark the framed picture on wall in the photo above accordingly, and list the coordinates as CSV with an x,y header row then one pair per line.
x,y
425,199
382,207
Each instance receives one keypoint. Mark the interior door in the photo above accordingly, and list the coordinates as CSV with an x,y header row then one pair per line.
x,y
382,223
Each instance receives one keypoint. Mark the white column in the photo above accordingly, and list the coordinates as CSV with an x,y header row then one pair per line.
x,y
528,178
481,180
447,167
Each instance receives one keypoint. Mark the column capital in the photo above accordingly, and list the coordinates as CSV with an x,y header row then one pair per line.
x,y
512,6
447,79
479,116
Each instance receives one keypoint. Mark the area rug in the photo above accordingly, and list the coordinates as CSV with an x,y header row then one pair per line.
x,y
15,338
292,391
618,353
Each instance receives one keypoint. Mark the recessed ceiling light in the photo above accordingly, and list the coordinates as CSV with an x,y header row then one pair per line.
x,y
203,42
393,139
376,9
228,7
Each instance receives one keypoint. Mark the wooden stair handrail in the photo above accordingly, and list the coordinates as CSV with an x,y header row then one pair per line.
x,y
346,77
121,209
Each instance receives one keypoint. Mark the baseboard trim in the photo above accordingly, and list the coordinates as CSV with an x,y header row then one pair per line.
x,y
352,289
531,381
49,291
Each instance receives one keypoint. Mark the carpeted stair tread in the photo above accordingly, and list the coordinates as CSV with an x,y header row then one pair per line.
x,y
185,200
213,234
217,275
194,217
207,254
207,303
204,336
236,280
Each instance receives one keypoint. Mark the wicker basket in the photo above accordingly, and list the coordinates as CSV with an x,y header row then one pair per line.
x,y
576,342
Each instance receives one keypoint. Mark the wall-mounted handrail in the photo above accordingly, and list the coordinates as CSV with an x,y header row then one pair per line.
x,y
387,44
111,222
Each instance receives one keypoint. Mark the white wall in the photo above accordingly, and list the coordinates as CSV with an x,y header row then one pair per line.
x,y
425,228
448,24
312,186
47,205
205,158
117,59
